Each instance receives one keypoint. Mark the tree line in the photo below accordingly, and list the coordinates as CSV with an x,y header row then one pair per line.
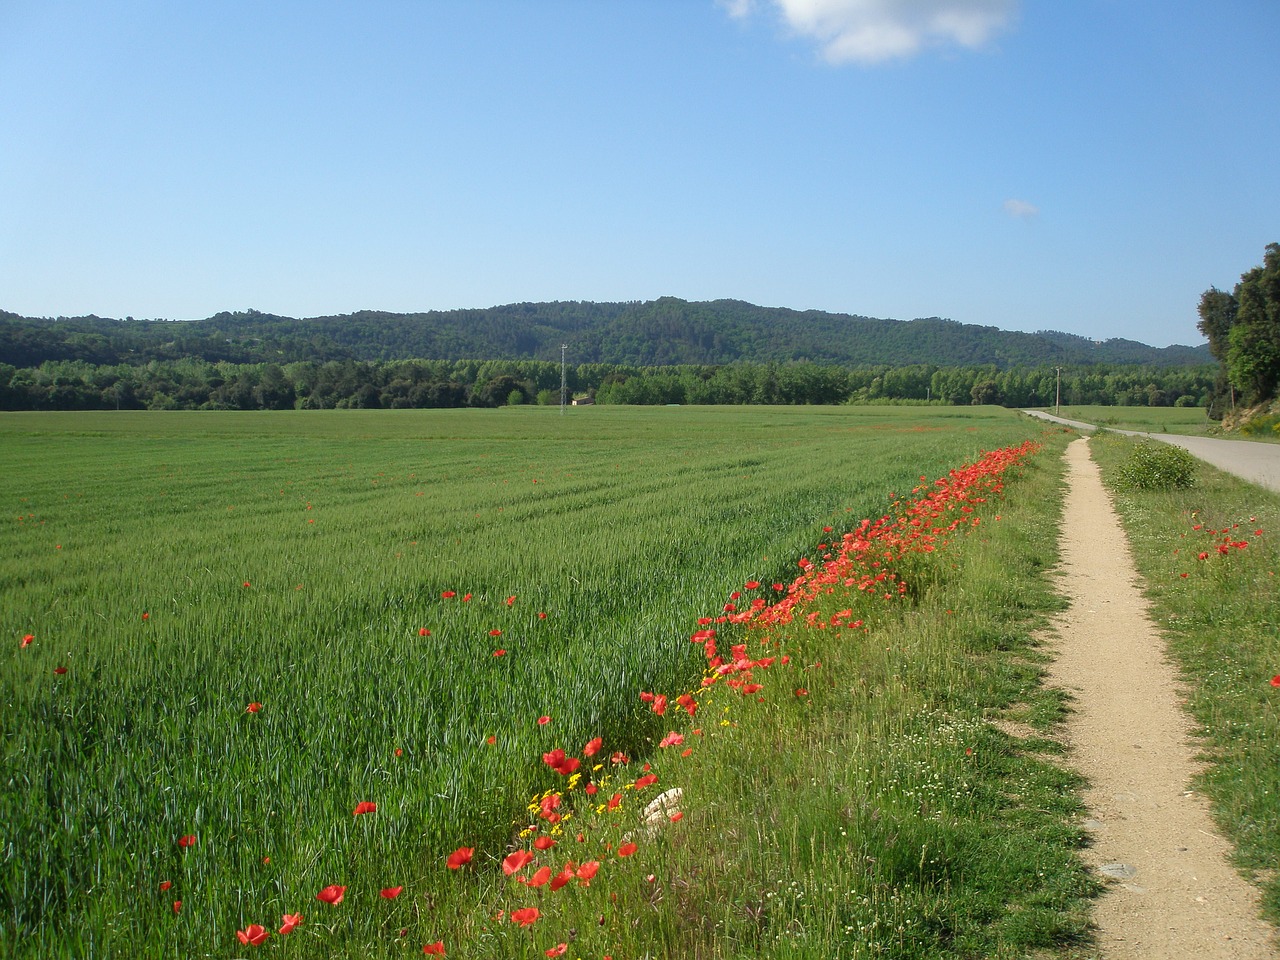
x,y
197,384
1243,329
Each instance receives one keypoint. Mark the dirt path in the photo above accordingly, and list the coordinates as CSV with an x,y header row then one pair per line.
x,y
1174,894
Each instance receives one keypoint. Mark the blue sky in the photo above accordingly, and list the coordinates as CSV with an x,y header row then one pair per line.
x,y
1089,166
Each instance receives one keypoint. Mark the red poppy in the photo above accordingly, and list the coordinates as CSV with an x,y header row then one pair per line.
x,y
619,757
558,950
165,885
525,916
491,739
647,779
500,652
288,922
627,849
544,843
615,801
561,878
460,857
253,707
332,894
399,751
516,861
26,641
671,739
188,841
59,670
540,876
1275,681
590,789
510,601
449,594
588,870
541,615
593,747
390,893
543,721
424,632
436,948
364,806
177,906
677,816
466,597
246,583
254,934
146,616
495,633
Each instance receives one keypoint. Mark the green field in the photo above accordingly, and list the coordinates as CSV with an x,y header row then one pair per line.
x,y
173,569
1187,421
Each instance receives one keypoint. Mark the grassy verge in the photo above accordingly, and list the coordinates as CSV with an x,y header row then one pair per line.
x,y
1210,557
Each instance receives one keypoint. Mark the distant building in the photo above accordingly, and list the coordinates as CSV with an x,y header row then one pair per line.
x,y
583,401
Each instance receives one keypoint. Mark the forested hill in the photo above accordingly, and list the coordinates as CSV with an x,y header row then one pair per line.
x,y
651,333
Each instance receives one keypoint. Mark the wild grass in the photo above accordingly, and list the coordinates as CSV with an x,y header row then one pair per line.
x,y
1210,558
174,569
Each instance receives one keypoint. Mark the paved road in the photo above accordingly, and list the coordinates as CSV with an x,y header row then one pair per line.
x,y
1250,460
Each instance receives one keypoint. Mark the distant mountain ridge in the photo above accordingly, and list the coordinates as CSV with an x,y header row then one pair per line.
x,y
660,332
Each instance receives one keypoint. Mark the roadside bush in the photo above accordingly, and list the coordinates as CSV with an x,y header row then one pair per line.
x,y
1157,466
1261,425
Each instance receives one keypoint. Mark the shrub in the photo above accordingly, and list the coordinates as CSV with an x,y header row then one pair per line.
x,y
1157,466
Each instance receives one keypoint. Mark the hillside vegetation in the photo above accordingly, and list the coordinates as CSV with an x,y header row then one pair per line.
x,y
662,332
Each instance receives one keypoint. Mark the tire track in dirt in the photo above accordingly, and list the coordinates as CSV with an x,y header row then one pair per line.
x,y
1173,892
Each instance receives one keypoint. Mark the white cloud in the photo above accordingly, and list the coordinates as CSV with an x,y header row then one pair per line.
x,y
1020,209
872,31
737,8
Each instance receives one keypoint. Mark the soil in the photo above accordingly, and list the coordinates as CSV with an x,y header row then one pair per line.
x,y
1172,892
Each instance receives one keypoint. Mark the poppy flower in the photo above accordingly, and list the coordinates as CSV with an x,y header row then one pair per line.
x,y
543,721
364,806
399,751
544,843
677,816
561,878
627,849
59,670
516,861
525,916
588,870
253,707
460,857
500,652
593,747
466,597
671,739
332,894
177,906
541,615
510,601
647,779
491,739
619,757
540,876
26,641
188,841
495,633
558,950
449,594
288,922
254,934
390,893
246,583
165,885
1275,681
146,616
424,632
436,948
614,801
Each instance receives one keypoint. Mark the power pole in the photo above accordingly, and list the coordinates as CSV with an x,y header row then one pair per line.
x,y
564,383
1057,408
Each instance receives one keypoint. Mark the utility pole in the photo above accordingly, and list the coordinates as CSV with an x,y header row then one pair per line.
x,y
1057,403
564,383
